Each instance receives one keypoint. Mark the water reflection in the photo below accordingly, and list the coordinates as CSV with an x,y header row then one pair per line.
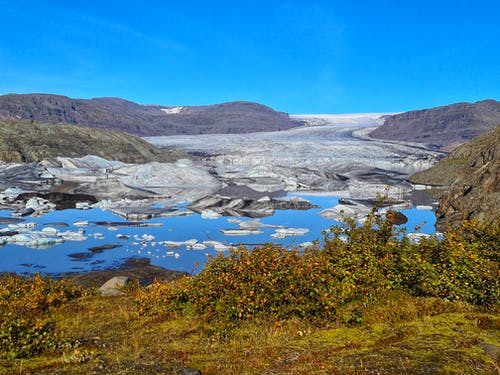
x,y
177,243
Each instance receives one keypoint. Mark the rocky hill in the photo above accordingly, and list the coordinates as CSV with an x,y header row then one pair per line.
x,y
144,120
443,127
23,141
472,172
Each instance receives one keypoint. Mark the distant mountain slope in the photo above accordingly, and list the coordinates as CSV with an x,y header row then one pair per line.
x,y
144,120
23,141
473,172
441,126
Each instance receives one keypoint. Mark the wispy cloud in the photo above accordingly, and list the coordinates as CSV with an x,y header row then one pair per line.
x,y
68,20
123,30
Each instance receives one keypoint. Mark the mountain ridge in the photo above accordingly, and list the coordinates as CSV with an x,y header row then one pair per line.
x,y
443,127
144,120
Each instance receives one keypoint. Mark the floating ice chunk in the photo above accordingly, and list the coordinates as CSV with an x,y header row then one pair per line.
x,y
22,238
285,232
191,242
220,247
210,214
210,242
355,211
199,246
22,226
81,223
253,224
148,237
240,232
50,231
34,240
173,244
72,236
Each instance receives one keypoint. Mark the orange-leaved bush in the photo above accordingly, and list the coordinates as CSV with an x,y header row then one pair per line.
x,y
336,280
25,303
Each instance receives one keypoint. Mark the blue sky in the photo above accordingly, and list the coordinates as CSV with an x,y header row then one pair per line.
x,y
296,56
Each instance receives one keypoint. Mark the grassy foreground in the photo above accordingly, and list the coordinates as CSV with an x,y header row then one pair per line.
x,y
367,302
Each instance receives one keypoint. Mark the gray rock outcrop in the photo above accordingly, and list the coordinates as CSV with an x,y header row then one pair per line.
x,y
472,174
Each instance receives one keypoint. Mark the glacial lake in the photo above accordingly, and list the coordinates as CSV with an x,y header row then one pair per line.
x,y
148,242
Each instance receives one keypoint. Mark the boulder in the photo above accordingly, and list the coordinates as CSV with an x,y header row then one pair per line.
x,y
113,286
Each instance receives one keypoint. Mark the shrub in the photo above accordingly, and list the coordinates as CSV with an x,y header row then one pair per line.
x,y
464,265
25,325
161,298
336,282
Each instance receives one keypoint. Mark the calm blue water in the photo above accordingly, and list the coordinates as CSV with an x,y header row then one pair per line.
x,y
73,256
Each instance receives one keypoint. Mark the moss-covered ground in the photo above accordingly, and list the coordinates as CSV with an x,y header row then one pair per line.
x,y
106,335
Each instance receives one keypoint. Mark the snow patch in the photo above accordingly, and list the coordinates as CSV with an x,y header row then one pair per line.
x,y
172,110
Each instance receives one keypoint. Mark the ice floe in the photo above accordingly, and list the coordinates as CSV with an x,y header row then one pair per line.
x,y
285,232
240,232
